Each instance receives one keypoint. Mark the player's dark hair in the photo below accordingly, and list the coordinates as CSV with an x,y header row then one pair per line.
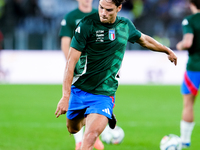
x,y
116,2
196,3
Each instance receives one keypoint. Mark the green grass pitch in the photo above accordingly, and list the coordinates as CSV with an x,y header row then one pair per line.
x,y
145,112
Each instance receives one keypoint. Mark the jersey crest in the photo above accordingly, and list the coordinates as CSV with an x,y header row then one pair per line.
x,y
112,34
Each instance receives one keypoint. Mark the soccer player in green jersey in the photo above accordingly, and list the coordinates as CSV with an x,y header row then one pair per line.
x,y
89,92
70,20
68,25
190,85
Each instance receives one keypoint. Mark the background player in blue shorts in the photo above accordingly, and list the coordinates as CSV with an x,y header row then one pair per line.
x,y
190,86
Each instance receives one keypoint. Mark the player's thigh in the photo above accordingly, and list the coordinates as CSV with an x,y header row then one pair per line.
x,y
74,125
75,120
95,123
188,100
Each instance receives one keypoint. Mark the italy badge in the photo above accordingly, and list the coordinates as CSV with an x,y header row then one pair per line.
x,y
112,34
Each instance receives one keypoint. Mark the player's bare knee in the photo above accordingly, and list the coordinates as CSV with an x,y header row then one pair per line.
x,y
92,135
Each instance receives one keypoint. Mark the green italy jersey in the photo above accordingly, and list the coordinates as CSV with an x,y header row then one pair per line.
x,y
191,25
104,47
70,20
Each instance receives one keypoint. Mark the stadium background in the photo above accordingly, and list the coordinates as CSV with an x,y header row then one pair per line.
x,y
148,101
34,24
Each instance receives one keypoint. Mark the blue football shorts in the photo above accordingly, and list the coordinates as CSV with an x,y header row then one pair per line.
x,y
191,83
82,103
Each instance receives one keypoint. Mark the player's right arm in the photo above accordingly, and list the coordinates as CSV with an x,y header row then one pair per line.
x,y
65,45
150,43
72,59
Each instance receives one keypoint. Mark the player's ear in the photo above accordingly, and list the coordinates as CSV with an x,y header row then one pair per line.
x,y
119,8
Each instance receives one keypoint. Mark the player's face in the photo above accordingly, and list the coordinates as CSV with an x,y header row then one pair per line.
x,y
85,3
108,11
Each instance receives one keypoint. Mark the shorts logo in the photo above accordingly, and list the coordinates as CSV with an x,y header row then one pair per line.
x,y
106,111
111,34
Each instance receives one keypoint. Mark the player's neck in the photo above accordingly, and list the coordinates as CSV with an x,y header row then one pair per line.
x,y
196,11
85,9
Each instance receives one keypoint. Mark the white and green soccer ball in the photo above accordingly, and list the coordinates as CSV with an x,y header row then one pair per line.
x,y
171,142
112,136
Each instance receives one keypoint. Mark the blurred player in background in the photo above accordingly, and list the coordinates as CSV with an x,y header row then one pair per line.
x,y
68,26
89,92
190,86
70,21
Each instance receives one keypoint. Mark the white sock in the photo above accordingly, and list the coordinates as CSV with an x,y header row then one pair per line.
x,y
79,135
186,131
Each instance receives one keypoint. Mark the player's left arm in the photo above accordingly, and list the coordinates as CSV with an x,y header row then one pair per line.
x,y
150,43
186,43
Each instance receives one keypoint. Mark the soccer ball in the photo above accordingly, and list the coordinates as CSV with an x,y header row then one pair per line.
x,y
112,136
171,142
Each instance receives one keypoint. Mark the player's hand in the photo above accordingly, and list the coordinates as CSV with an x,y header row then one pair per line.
x,y
62,107
172,57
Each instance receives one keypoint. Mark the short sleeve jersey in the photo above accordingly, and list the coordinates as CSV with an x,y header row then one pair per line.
x,y
70,20
191,24
104,46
